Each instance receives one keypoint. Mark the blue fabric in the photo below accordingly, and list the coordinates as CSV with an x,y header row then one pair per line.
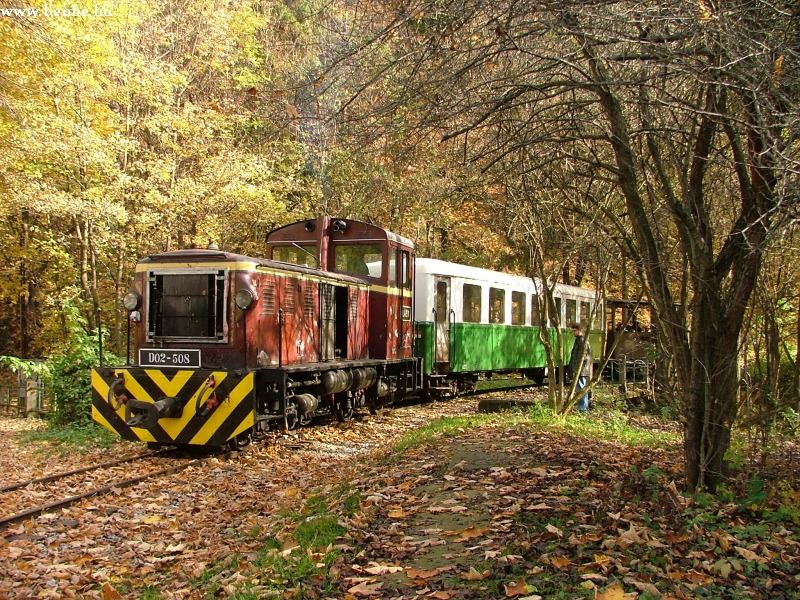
x,y
583,401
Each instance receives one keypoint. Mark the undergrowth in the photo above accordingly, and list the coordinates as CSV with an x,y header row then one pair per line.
x,y
73,435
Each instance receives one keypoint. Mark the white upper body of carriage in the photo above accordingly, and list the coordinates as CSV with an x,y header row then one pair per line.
x,y
504,298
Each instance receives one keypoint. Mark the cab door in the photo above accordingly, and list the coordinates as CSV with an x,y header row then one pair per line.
x,y
442,323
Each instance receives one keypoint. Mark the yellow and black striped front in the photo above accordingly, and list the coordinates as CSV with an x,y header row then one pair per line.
x,y
234,414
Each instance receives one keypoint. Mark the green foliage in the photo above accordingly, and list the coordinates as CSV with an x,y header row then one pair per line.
x,y
352,504
756,495
790,419
318,532
274,569
439,428
616,425
67,379
28,367
771,403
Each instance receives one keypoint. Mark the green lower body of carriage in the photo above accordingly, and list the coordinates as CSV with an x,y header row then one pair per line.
x,y
478,347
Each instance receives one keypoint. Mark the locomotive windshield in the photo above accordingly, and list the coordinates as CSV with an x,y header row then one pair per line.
x,y
186,306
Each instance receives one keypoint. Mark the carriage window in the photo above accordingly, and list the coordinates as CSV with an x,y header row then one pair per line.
x,y
405,269
497,305
518,307
556,318
472,303
536,313
358,259
572,311
297,254
586,313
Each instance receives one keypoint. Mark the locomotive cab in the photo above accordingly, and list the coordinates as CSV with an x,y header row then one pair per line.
x,y
357,249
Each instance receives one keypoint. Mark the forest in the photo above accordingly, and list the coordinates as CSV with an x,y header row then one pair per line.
x,y
648,150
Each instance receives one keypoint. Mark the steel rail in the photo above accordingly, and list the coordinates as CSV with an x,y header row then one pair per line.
x,y
32,512
55,476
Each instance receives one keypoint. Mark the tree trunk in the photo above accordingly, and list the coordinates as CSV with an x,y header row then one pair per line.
x,y
710,394
83,234
706,364
25,301
797,364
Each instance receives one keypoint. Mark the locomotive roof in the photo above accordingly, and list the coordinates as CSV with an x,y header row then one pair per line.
x,y
379,233
191,256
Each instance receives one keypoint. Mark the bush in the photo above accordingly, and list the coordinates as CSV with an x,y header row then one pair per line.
x,y
67,378
768,406
69,384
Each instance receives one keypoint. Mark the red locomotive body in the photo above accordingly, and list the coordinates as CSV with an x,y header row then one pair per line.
x,y
225,344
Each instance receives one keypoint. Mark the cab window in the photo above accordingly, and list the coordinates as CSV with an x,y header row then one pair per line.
x,y
297,254
358,259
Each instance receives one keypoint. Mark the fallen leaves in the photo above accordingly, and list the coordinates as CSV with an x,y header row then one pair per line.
x,y
366,589
571,513
485,513
475,575
471,533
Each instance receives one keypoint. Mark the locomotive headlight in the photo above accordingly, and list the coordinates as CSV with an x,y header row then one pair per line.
x,y
244,299
131,301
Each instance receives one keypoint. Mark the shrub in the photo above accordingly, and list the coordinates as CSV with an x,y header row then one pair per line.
x,y
67,378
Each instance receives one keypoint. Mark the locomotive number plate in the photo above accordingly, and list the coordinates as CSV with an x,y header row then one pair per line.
x,y
187,359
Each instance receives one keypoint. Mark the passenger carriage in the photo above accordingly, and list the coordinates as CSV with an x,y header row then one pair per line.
x,y
472,322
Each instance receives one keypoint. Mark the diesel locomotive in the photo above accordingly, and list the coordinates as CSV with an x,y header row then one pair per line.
x,y
225,345
339,316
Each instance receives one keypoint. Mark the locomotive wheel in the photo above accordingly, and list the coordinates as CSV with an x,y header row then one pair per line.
x,y
344,411
290,419
240,441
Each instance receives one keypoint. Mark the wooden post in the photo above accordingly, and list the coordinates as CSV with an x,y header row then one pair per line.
x,y
623,376
32,397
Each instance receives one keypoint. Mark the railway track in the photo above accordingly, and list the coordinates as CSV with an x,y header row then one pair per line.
x,y
30,498
27,499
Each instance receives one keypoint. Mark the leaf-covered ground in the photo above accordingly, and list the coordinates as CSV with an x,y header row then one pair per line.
x,y
496,512
490,509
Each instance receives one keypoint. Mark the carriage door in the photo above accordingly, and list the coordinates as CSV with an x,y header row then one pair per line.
x,y
442,325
